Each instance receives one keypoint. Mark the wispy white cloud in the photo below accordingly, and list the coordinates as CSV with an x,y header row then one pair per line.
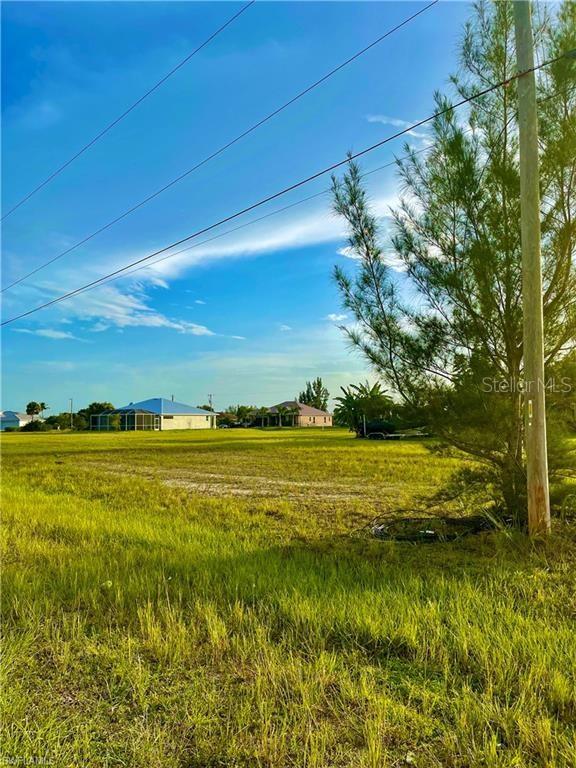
x,y
348,253
48,333
111,307
389,258
158,282
310,229
100,327
396,122
193,329
285,328
57,365
127,302
335,318
297,231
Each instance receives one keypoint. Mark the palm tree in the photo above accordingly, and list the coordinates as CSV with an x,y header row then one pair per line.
x,y
43,407
262,414
292,411
33,408
362,403
346,410
282,411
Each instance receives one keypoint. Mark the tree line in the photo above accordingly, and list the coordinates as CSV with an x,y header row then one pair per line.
x,y
314,394
80,420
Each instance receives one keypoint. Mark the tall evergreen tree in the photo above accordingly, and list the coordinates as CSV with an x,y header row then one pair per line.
x,y
315,394
452,344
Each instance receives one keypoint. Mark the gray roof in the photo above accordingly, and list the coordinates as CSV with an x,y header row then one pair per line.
x,y
159,405
15,415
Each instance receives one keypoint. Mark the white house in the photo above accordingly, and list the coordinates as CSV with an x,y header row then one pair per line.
x,y
14,420
154,414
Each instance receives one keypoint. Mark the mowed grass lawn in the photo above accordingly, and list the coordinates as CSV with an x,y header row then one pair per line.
x,y
195,600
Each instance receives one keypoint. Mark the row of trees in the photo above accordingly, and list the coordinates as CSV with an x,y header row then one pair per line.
x,y
79,420
362,408
314,394
447,338
237,415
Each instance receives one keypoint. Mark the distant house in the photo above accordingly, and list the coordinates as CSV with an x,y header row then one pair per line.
x,y
294,414
157,413
15,419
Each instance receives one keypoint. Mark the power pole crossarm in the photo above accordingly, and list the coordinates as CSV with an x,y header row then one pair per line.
x,y
534,383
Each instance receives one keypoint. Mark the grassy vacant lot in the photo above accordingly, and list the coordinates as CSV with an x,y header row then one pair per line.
x,y
193,600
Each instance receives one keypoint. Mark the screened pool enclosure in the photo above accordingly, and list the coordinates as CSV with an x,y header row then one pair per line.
x,y
125,419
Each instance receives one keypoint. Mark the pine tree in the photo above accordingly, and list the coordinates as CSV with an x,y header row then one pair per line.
x,y
456,352
315,394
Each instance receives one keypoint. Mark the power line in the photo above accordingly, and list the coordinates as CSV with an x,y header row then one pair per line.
x,y
126,112
296,203
224,147
250,223
303,200
290,188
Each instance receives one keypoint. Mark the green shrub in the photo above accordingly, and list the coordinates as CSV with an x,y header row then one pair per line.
x,y
36,426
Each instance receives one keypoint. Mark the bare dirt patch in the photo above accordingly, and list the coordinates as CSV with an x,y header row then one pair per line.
x,y
254,486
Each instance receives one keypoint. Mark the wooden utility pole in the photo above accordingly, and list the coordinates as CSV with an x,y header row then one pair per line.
x,y
534,384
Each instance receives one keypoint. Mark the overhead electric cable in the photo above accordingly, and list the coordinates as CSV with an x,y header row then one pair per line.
x,y
250,223
296,203
127,111
290,188
224,147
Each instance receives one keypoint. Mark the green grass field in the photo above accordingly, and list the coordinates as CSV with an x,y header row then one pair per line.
x,y
194,600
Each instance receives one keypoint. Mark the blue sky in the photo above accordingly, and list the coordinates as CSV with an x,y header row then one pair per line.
x,y
250,316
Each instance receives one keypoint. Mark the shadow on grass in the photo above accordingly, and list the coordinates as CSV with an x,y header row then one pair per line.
x,y
331,571
350,620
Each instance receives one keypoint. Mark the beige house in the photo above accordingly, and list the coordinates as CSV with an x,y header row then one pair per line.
x,y
157,413
291,413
